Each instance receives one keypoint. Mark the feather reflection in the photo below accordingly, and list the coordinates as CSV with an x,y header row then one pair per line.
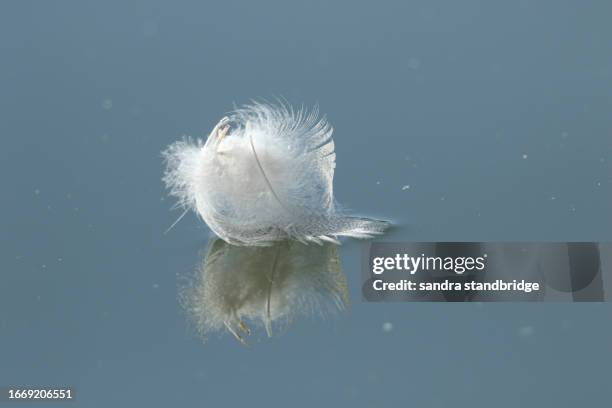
x,y
264,286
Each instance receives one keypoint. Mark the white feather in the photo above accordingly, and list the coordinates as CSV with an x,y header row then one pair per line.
x,y
264,174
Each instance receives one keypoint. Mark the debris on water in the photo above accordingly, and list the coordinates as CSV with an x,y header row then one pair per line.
x,y
107,104
526,331
414,63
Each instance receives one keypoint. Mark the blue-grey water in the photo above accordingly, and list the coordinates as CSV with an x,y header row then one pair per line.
x,y
472,120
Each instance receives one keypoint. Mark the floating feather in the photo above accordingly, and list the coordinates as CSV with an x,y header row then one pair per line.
x,y
264,174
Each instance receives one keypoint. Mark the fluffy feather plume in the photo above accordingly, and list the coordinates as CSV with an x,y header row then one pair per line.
x,y
264,174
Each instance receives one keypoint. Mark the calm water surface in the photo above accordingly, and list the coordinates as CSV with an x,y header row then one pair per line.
x,y
473,120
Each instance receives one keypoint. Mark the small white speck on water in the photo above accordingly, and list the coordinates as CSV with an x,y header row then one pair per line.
x,y
135,110
60,259
149,28
598,184
526,331
378,182
525,156
553,198
107,104
414,63
572,208
406,187
156,286
387,327
37,192
442,198
373,377
44,266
